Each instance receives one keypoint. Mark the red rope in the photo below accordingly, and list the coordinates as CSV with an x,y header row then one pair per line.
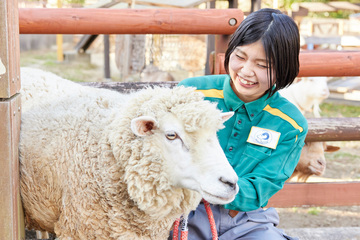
x,y
184,229
176,229
211,220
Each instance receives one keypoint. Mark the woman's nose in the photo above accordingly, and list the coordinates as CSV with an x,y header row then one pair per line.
x,y
247,70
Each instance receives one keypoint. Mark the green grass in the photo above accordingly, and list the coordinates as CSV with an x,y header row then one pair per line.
x,y
314,210
78,71
339,110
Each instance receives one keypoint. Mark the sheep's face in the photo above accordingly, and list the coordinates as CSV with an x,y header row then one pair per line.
x,y
192,160
316,87
312,160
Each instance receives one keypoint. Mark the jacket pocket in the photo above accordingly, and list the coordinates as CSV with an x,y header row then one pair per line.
x,y
251,157
257,152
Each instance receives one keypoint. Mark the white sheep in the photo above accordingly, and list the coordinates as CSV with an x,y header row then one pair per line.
x,y
152,73
312,160
307,94
96,164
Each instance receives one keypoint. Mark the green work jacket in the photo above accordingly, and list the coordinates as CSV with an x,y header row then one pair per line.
x,y
262,141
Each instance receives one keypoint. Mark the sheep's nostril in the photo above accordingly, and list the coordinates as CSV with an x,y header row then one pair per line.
x,y
230,184
321,162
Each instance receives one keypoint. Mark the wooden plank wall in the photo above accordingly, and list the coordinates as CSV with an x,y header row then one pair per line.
x,y
11,222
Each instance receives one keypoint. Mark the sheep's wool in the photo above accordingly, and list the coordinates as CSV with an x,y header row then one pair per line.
x,y
85,174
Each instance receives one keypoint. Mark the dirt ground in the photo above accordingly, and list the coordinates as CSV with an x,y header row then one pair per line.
x,y
343,165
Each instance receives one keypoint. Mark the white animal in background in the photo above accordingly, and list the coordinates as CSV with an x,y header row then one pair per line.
x,y
96,164
312,160
307,94
152,73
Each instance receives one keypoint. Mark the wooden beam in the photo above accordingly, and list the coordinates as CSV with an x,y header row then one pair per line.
x,y
316,63
9,49
333,129
317,194
11,217
329,63
128,21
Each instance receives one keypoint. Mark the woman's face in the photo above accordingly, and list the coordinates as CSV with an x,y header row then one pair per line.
x,y
248,71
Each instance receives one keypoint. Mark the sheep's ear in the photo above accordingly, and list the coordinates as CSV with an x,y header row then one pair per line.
x,y
226,116
142,126
330,148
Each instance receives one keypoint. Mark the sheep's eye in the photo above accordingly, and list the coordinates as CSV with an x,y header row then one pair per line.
x,y
171,135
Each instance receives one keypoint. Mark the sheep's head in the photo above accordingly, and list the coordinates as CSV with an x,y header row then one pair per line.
x,y
316,87
180,150
312,160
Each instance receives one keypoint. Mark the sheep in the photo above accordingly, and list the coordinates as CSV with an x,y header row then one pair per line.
x,y
151,73
97,164
312,160
307,94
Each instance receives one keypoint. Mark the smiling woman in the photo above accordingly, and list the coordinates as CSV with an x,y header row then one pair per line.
x,y
249,70
264,138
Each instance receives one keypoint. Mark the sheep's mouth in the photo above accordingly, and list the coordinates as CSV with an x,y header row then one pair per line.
x,y
215,199
317,171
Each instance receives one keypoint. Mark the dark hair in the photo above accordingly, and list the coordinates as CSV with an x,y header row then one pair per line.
x,y
280,37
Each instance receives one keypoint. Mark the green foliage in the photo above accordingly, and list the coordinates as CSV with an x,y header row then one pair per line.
x,y
66,2
341,14
76,2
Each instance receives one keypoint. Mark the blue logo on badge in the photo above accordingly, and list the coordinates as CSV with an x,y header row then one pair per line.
x,y
263,137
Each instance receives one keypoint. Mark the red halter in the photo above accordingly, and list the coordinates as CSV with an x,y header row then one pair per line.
x,y
184,228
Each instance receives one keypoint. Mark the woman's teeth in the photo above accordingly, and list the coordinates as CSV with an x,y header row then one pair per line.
x,y
246,82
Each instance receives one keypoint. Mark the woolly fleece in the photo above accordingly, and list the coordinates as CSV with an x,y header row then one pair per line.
x,y
85,175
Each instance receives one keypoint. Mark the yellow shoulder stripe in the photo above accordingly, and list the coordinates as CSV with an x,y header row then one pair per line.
x,y
212,93
277,112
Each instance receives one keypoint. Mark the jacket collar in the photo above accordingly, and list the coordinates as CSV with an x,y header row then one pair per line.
x,y
234,103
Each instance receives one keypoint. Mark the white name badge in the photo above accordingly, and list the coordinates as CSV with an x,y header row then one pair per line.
x,y
264,137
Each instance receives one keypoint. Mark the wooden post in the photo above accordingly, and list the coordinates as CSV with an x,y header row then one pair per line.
x,y
107,75
11,217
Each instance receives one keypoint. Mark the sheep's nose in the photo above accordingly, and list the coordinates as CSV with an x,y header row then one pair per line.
x,y
232,185
321,162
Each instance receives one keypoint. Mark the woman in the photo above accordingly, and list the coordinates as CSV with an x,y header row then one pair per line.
x,y
264,138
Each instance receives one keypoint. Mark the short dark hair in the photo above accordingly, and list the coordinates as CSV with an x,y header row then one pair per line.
x,y
280,37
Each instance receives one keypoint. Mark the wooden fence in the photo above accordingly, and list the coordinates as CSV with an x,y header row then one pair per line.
x,y
110,21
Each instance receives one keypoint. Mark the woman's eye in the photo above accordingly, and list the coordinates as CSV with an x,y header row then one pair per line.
x,y
262,66
240,57
171,135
